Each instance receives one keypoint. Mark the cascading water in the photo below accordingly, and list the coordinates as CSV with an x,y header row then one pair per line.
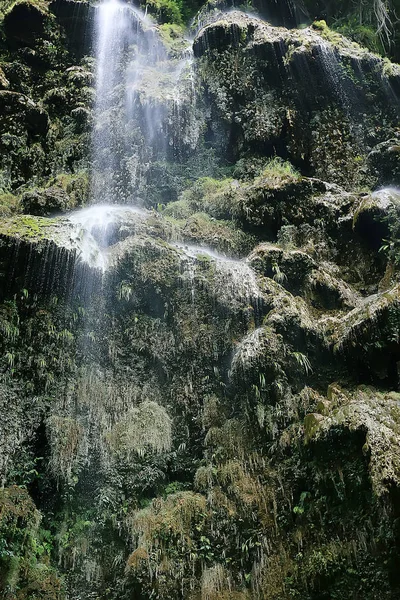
x,y
98,227
129,130
117,28
136,88
118,35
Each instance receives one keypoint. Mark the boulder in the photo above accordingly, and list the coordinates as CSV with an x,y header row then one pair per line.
x,y
53,200
24,22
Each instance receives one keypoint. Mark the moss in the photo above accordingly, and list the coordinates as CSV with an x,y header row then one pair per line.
x,y
173,38
9,204
28,227
166,519
68,447
146,427
319,25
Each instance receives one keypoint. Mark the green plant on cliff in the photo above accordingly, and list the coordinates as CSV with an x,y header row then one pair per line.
x,y
25,549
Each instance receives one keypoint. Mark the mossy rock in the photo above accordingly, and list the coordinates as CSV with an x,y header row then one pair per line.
x,y
374,216
289,268
267,105
368,335
25,21
324,289
50,201
27,227
375,414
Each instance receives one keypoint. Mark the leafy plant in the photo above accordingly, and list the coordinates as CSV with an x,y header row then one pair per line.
x,y
303,361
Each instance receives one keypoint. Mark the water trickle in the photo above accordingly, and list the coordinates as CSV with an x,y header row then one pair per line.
x,y
236,281
387,195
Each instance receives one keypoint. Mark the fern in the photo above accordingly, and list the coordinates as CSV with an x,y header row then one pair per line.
x,y
303,361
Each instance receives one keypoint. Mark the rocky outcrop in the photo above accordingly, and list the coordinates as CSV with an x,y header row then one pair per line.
x,y
297,93
200,399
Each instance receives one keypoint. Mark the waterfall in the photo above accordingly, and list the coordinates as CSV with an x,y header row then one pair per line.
x,y
113,34
126,126
136,116
118,37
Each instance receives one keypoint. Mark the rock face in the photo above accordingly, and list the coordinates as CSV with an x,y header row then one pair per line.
x,y
298,93
199,400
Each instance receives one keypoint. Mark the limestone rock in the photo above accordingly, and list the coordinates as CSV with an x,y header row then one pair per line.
x,y
376,415
316,120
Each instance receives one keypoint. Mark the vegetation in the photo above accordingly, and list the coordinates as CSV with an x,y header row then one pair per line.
x,y
216,415
373,24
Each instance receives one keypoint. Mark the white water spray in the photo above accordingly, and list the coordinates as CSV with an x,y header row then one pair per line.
x,y
117,27
98,227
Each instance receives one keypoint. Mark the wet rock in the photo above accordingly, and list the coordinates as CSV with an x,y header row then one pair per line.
x,y
377,416
76,18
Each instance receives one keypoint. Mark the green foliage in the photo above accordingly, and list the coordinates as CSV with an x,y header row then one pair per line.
x,y
363,34
372,24
37,349
172,11
391,245
26,469
303,361
25,549
9,204
166,11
